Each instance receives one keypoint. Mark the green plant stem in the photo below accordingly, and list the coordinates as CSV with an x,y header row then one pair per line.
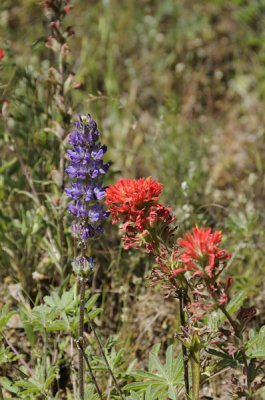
x,y
91,323
182,302
195,367
82,284
90,370
1,393
45,353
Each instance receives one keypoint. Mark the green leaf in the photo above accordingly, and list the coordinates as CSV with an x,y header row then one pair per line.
x,y
91,302
162,381
94,313
57,326
255,347
25,319
236,302
172,392
8,385
134,396
158,366
5,316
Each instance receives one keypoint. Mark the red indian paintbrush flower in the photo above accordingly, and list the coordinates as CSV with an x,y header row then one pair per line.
x,y
130,197
201,252
134,202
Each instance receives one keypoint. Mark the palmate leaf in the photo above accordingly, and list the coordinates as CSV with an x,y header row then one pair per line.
x,y
161,379
255,347
115,360
58,313
66,303
45,318
149,394
37,385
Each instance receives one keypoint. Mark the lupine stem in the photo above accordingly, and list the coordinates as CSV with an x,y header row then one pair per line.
x,y
91,323
182,302
90,370
82,284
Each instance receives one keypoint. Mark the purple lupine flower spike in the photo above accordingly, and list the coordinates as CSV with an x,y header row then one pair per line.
x,y
86,171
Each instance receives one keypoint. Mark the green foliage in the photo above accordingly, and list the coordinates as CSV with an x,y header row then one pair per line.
x,y
58,313
37,385
255,346
161,381
5,317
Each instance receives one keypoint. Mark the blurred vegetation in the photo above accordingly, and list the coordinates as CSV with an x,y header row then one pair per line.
x,y
178,90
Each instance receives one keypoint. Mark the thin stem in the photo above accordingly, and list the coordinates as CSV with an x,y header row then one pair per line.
x,y
195,367
81,338
1,393
182,302
89,369
30,371
92,325
45,353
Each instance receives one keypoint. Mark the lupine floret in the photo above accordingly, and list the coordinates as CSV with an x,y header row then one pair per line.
x,y
86,170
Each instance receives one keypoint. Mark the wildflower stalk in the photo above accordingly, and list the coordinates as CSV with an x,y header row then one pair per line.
x,y
182,303
92,326
86,171
82,284
90,372
195,367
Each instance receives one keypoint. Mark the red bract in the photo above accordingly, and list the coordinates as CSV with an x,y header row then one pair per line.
x,y
130,197
68,8
134,202
201,252
2,54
